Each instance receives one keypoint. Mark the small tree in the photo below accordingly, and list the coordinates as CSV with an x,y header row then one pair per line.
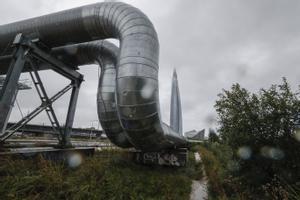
x,y
262,124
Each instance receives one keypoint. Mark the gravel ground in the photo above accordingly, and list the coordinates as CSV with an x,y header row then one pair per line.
x,y
199,188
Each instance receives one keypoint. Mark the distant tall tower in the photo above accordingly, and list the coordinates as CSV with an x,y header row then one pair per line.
x,y
176,113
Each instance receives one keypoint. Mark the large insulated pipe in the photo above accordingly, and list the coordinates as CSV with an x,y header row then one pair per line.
x,y
137,73
104,54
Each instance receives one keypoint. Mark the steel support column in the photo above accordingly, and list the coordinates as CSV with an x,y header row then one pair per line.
x,y
71,113
10,87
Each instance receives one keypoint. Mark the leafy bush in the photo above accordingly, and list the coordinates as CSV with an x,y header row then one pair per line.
x,y
258,128
213,172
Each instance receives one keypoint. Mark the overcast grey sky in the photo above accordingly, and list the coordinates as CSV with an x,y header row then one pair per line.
x,y
211,43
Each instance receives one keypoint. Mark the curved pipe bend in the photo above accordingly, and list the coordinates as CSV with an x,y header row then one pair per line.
x,y
137,69
104,54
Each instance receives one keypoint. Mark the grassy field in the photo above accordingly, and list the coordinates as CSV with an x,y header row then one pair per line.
x,y
107,175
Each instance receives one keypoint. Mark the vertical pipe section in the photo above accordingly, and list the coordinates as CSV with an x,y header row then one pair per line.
x,y
105,54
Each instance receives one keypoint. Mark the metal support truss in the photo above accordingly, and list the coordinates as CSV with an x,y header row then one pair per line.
x,y
10,87
29,51
9,132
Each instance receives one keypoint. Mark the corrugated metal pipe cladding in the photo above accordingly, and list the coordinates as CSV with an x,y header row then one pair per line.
x,y
128,102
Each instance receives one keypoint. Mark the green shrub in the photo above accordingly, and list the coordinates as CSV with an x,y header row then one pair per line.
x,y
263,124
107,175
257,155
212,169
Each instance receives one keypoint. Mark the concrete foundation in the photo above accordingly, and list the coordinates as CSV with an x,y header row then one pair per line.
x,y
170,157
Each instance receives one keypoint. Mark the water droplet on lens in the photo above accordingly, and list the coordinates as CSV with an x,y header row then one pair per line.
x,y
272,153
276,154
297,135
244,152
74,160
